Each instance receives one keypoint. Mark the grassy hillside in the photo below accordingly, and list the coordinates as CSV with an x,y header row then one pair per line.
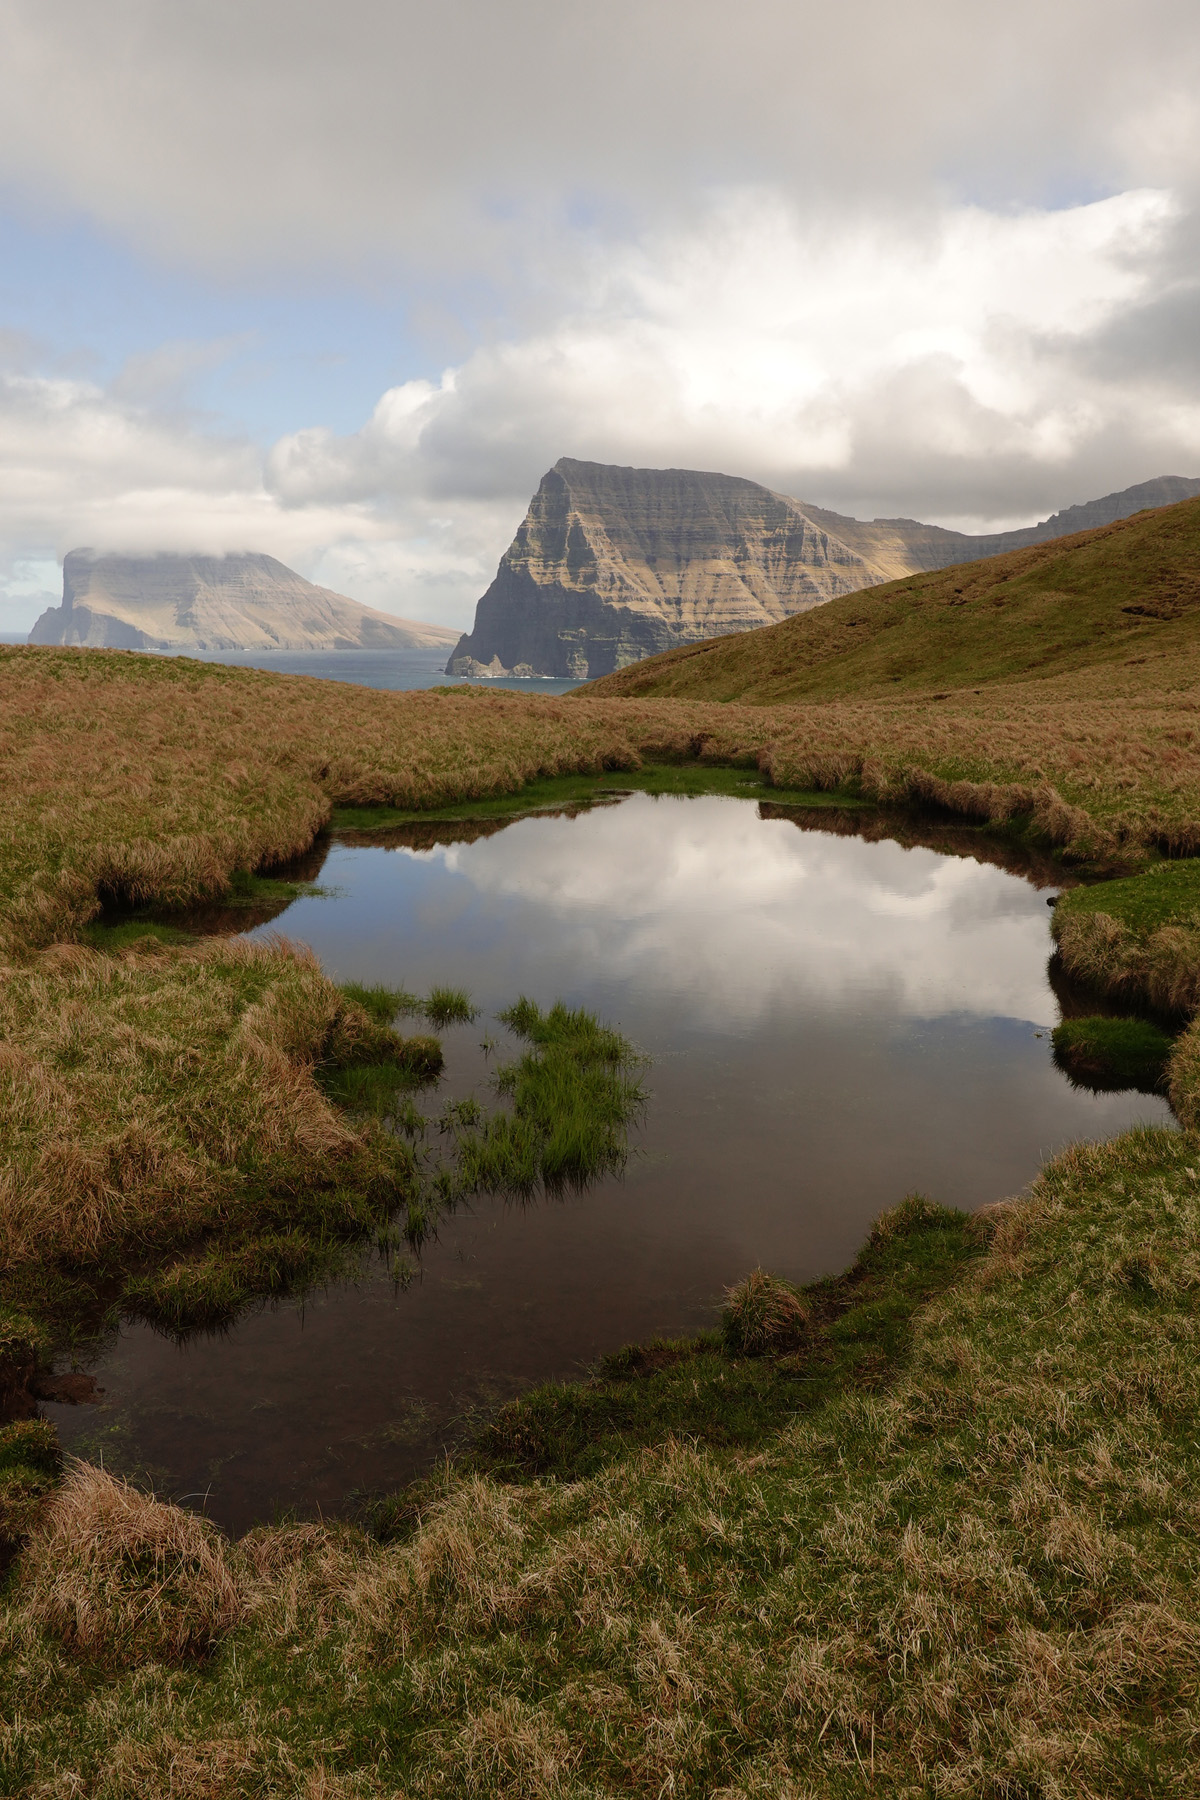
x,y
928,1531
1128,594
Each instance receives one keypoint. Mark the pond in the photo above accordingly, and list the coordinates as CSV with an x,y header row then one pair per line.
x,y
832,1023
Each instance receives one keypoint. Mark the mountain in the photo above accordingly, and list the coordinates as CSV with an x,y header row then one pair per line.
x,y
237,602
611,565
1125,594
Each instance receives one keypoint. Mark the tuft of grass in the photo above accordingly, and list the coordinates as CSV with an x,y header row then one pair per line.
x,y
449,1006
382,1004
764,1314
115,1573
572,1097
1105,1053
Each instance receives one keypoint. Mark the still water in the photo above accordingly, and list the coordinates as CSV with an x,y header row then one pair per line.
x,y
394,670
832,1023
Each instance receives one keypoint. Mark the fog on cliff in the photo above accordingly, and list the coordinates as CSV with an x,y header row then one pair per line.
x,y
339,284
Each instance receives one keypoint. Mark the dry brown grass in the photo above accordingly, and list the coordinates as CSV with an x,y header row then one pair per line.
x,y
114,1573
764,1314
147,1096
156,779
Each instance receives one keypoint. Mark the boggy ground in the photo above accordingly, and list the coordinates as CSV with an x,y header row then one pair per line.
x,y
939,1537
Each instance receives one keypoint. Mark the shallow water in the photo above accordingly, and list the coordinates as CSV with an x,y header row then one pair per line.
x,y
833,1023
395,670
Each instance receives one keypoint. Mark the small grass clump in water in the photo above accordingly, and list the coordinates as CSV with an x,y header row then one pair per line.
x,y
445,1005
1103,1053
572,1096
373,1078
449,1006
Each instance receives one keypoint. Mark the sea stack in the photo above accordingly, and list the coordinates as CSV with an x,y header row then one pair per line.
x,y
613,564
246,601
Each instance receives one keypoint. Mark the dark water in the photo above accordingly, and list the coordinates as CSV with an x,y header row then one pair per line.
x,y
392,669
833,1023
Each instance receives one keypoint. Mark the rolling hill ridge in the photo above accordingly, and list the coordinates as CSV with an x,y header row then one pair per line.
x,y
1126,593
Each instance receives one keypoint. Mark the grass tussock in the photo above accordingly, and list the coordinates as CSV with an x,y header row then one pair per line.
x,y
114,1573
974,1576
764,1314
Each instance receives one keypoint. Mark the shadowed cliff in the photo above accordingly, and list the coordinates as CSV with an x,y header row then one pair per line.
x,y
239,602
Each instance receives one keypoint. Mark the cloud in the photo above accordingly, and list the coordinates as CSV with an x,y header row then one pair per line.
x,y
650,891
946,372
85,464
935,260
468,133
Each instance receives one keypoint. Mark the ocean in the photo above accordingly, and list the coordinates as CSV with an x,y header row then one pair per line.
x,y
395,670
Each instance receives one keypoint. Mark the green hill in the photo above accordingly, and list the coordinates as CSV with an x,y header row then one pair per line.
x,y
1127,593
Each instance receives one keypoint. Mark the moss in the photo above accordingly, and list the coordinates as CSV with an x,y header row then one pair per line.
x,y
1167,894
30,1464
1104,1053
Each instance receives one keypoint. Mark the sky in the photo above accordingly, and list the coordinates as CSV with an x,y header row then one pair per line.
x,y
341,281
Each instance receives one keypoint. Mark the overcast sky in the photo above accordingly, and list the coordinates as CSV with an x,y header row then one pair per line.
x,y
340,281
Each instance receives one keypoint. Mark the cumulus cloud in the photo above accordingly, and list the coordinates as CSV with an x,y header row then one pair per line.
x,y
935,260
951,371
104,466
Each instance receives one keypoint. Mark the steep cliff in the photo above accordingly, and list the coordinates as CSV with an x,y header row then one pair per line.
x,y
611,565
241,602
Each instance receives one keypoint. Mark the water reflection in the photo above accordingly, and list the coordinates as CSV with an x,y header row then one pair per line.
x,y
833,1023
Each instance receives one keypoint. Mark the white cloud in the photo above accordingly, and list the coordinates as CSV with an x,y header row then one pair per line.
x,y
837,249
939,371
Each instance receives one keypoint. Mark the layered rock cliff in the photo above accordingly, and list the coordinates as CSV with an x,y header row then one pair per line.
x,y
613,564
240,602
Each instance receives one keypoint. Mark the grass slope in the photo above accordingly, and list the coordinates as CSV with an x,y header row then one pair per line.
x,y
942,1539
974,1577
1129,590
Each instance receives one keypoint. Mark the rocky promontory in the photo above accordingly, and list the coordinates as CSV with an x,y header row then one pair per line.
x,y
246,601
613,564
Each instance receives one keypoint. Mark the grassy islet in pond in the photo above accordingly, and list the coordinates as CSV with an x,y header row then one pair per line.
x,y
1113,1053
572,1095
